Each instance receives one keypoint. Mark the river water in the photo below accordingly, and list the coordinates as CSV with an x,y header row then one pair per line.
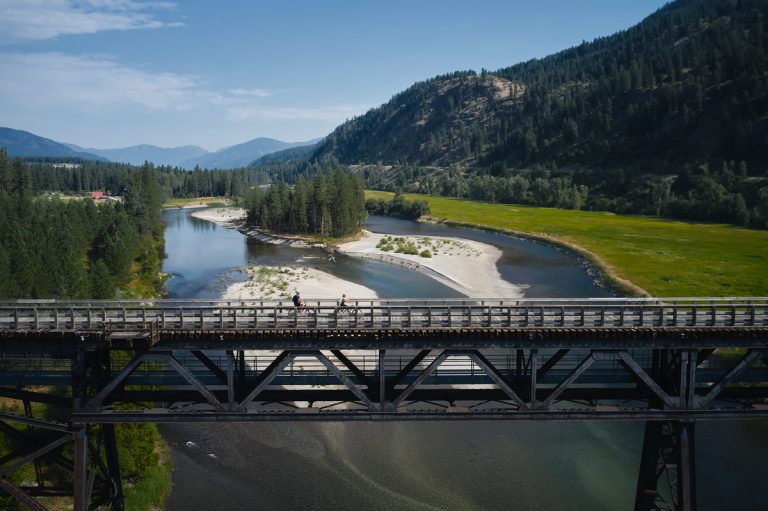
x,y
414,466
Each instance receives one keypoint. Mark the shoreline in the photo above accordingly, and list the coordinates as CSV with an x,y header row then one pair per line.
x,y
280,282
613,281
461,280
234,218
467,266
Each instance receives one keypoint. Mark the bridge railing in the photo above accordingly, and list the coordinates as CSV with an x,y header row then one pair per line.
x,y
385,314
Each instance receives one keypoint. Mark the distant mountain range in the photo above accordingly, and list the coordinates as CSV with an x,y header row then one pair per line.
x,y
138,154
241,155
24,144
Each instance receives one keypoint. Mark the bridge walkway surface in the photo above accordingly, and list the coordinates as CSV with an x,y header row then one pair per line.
x,y
667,361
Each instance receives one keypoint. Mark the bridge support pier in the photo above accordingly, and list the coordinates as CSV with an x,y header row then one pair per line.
x,y
668,450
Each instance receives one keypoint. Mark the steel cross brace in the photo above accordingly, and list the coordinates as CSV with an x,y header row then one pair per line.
x,y
631,365
285,358
84,479
719,386
97,401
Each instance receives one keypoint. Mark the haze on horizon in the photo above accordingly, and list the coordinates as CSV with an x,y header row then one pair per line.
x,y
115,73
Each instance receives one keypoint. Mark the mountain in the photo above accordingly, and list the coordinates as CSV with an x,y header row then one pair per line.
x,y
686,86
292,153
240,155
25,144
138,154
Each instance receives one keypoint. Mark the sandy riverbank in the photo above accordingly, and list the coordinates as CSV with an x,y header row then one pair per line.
x,y
465,265
233,218
226,217
279,282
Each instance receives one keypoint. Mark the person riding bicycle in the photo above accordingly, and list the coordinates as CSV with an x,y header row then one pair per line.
x,y
298,302
343,303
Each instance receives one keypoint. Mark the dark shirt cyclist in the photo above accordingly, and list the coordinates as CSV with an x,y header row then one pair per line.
x,y
297,301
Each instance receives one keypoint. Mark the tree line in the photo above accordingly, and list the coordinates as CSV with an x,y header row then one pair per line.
x,y
717,192
327,203
112,177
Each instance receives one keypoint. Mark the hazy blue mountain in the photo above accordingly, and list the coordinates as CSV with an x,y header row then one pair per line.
x,y
241,155
26,144
291,153
138,154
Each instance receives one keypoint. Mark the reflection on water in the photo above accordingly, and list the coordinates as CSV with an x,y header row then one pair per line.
x,y
420,466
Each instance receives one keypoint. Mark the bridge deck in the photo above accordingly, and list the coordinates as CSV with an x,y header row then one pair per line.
x,y
386,314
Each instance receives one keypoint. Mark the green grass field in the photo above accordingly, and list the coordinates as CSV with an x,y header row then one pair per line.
x,y
197,201
664,257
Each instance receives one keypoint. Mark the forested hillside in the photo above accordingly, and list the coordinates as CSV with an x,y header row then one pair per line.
x,y
688,84
669,117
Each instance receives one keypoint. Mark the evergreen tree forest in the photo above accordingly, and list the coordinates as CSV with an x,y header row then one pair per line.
x,y
326,204
77,249
112,177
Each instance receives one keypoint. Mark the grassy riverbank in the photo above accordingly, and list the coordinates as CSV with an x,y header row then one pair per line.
x,y
663,257
196,202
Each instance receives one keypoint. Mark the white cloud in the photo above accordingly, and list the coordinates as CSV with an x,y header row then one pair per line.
x,y
97,85
24,20
89,82
259,93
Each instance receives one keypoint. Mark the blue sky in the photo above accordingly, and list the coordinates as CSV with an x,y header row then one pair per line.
x,y
114,73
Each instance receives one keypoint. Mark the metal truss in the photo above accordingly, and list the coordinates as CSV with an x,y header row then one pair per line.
x,y
41,441
331,385
308,376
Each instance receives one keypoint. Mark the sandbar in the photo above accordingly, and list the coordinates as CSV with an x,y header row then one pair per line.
x,y
465,265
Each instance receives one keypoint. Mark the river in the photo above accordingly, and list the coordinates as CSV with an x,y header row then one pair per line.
x,y
413,466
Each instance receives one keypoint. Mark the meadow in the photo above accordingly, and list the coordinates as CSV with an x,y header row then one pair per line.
x,y
196,202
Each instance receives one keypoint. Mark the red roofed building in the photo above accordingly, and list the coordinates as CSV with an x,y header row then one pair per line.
x,y
98,195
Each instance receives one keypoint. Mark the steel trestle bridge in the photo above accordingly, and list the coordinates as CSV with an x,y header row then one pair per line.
x,y
666,361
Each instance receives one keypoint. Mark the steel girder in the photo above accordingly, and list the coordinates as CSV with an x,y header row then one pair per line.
x,y
671,389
